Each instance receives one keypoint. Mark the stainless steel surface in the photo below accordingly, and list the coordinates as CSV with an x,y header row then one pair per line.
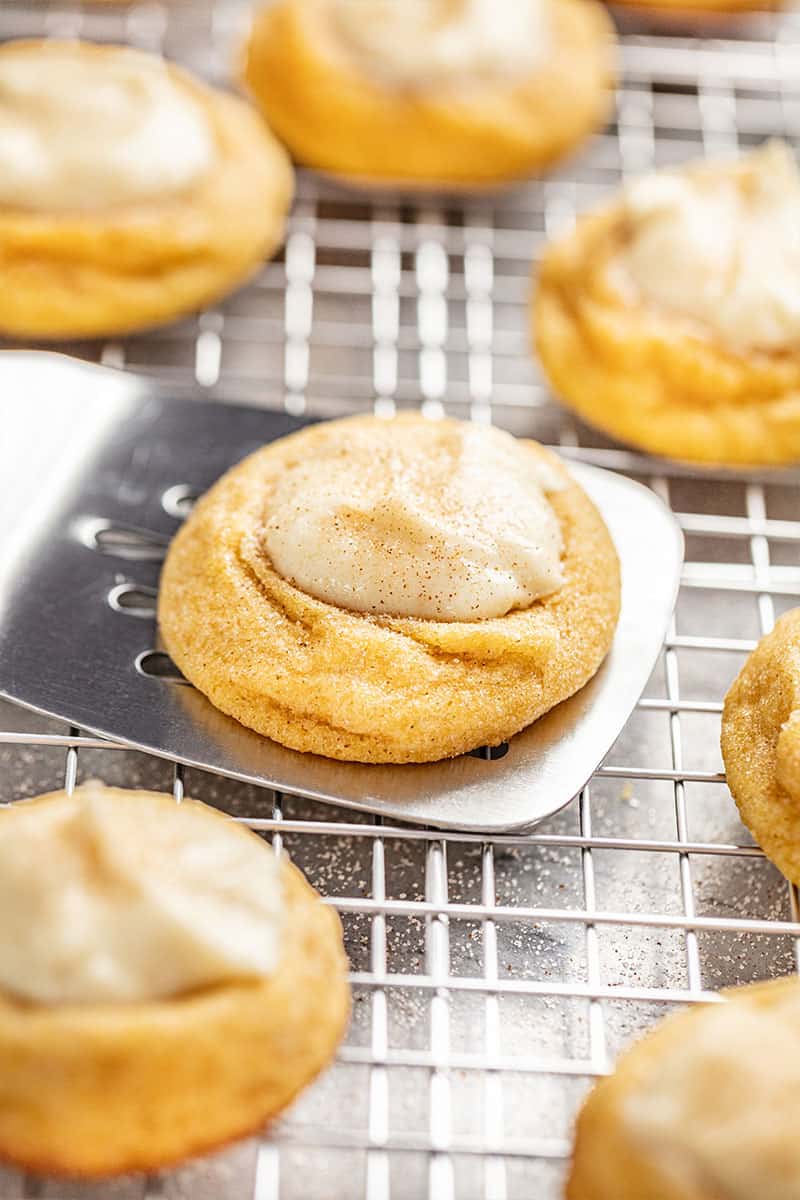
x,y
494,976
94,535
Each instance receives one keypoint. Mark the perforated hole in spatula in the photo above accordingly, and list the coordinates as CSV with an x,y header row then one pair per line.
x,y
126,541
135,600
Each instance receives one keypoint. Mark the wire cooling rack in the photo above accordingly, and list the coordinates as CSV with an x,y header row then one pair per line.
x,y
493,979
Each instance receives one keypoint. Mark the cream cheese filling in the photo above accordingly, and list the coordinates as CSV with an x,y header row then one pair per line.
x,y
116,898
720,247
440,520
83,130
717,1113
430,43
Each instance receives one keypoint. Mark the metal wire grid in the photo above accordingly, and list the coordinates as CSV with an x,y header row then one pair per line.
x,y
493,978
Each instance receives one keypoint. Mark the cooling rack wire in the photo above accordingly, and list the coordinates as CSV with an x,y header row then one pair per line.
x,y
493,978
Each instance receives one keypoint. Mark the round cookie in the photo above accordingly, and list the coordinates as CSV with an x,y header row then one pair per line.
x,y
650,375
336,114
87,269
761,744
94,1089
374,688
701,1108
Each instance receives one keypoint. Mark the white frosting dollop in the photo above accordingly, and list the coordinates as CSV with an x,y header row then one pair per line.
x,y
717,1114
440,520
80,129
721,247
430,43
118,897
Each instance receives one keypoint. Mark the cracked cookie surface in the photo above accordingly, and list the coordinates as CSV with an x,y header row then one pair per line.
x,y
366,687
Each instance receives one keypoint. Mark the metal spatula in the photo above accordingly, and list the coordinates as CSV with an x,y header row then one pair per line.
x,y
96,470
